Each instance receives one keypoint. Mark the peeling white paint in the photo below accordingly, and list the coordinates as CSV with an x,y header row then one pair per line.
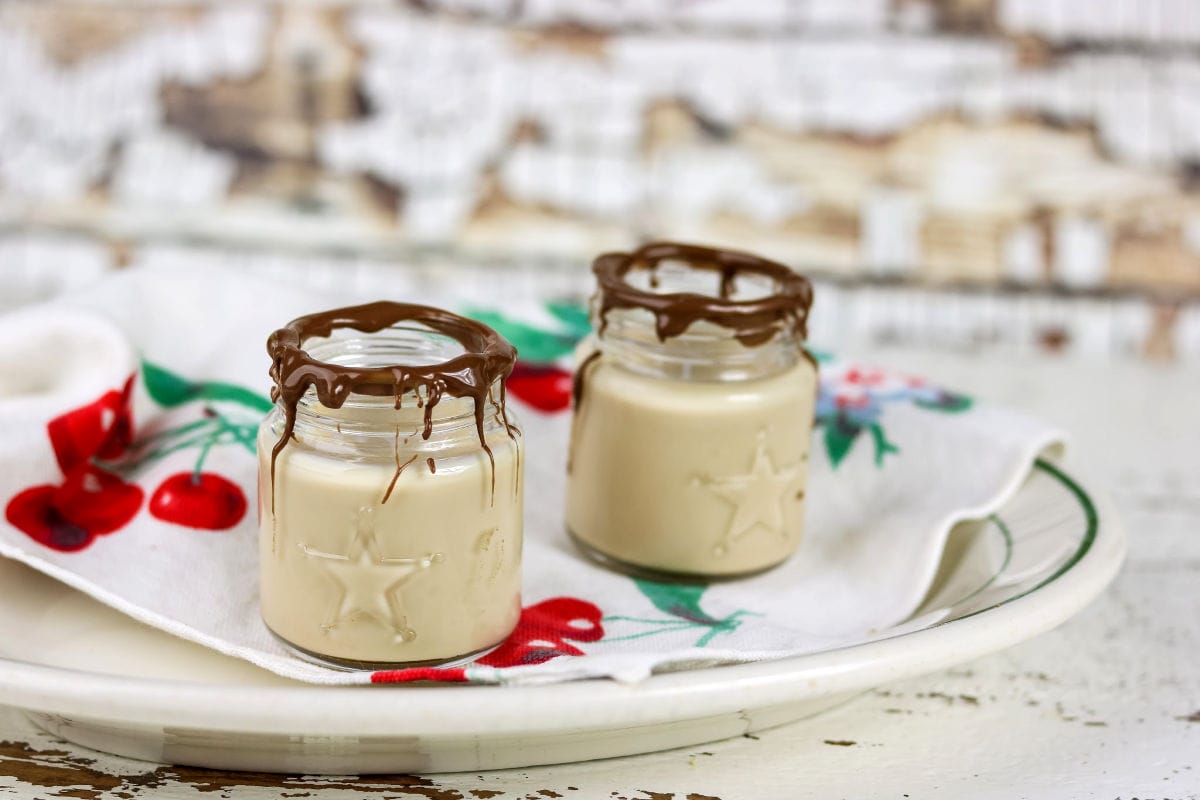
x,y
169,171
1023,248
1081,252
891,226
57,124
1175,21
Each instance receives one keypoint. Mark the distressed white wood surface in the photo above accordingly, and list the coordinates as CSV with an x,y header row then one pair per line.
x,y
1108,706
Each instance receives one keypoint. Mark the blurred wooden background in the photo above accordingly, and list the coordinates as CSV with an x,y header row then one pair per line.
x,y
976,174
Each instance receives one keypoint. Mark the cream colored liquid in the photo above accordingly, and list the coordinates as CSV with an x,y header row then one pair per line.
x,y
431,575
691,477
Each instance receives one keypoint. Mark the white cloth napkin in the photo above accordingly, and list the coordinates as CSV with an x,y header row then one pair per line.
x,y
90,463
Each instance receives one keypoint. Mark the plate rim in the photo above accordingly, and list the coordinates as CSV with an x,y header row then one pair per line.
x,y
593,704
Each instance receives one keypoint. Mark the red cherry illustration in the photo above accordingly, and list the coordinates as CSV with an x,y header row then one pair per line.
x,y
442,674
33,512
96,500
546,388
543,629
199,500
69,517
102,428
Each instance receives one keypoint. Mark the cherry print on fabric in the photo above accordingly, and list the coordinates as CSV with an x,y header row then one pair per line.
x,y
90,501
545,631
199,500
545,387
851,401
229,415
101,458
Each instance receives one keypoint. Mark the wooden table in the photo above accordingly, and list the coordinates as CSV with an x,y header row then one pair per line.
x,y
1106,706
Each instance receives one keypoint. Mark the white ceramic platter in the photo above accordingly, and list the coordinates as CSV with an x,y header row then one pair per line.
x,y
97,678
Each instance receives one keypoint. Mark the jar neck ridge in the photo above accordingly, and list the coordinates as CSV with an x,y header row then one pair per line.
x,y
699,313
382,416
703,353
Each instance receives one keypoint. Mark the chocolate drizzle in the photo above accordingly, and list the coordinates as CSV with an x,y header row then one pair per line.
x,y
488,358
399,471
577,381
753,322
577,385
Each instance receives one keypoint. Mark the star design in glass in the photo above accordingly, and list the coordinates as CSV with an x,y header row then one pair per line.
x,y
757,497
367,580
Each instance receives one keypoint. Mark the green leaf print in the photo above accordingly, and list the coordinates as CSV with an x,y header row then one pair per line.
x,y
573,316
171,390
839,438
533,344
946,401
678,600
882,445
682,603
820,356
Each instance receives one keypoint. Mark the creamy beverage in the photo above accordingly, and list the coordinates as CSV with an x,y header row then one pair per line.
x,y
432,573
689,477
390,488
693,416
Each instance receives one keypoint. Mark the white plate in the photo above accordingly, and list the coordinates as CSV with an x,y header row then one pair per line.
x,y
97,678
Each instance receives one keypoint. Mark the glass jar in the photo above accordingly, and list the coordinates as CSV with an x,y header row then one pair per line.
x,y
693,414
391,488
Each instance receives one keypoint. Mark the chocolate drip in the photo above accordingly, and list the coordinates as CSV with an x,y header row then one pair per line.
x,y
577,381
501,417
577,384
753,322
399,470
488,358
429,462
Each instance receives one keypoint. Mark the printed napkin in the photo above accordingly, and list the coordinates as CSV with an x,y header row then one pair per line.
x,y
127,470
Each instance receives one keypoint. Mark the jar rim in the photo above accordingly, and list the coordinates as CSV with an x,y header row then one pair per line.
x,y
488,358
483,346
752,321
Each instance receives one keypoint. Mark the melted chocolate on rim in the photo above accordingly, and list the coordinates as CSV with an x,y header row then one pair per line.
x,y
488,358
753,322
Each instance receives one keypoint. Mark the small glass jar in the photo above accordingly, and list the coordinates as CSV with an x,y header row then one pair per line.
x,y
390,508
693,414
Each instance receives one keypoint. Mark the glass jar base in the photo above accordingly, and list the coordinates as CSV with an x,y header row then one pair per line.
x,y
352,665
652,574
